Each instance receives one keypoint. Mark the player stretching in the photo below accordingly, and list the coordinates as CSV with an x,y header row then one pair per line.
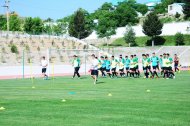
x,y
44,65
176,63
154,60
94,68
76,64
127,65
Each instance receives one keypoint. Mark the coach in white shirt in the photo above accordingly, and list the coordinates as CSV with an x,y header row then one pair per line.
x,y
44,65
94,68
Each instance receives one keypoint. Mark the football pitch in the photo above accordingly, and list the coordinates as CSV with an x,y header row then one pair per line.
x,y
112,102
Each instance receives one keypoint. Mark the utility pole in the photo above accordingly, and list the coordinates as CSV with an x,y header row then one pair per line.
x,y
7,12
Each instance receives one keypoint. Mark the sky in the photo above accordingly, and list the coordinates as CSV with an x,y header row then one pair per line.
x,y
54,9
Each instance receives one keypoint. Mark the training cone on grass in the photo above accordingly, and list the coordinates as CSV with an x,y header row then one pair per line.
x,y
148,90
2,108
72,93
63,100
109,94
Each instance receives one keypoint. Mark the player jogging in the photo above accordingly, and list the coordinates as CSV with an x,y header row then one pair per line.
x,y
154,60
121,66
94,68
149,63
132,66
176,63
108,65
127,65
103,66
44,65
169,64
136,61
161,64
145,65
76,64
114,63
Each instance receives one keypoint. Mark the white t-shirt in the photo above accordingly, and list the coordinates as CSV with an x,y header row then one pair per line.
x,y
95,63
44,63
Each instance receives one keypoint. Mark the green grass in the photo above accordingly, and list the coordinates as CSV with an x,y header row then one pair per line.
x,y
168,103
142,41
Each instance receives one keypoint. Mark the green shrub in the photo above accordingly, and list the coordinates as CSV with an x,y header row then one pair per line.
x,y
27,48
3,59
3,50
177,15
179,39
14,48
38,48
129,36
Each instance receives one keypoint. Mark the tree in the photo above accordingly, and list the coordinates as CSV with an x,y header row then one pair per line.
x,y
186,9
59,29
33,25
179,39
77,25
129,36
142,8
152,26
28,25
106,6
162,7
125,14
37,26
3,22
15,23
106,25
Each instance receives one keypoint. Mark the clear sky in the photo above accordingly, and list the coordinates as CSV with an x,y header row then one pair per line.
x,y
52,8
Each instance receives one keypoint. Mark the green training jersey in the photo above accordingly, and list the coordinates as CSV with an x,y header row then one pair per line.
x,y
76,62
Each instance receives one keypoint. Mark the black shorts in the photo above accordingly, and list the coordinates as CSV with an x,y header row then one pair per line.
x,y
176,65
137,67
113,69
132,69
127,68
43,70
107,70
154,67
170,68
148,67
145,68
102,68
94,72
164,68
121,70
157,66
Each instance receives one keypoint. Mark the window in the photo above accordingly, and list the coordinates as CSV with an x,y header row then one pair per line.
x,y
171,7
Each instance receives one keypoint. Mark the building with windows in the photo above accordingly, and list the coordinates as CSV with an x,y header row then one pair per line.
x,y
175,8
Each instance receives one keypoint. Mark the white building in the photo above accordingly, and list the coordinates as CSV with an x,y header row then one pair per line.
x,y
175,8
152,3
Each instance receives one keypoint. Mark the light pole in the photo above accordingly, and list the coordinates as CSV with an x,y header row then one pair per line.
x,y
7,12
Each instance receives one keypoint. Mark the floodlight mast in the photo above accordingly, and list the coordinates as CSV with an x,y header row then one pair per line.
x,y
7,12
